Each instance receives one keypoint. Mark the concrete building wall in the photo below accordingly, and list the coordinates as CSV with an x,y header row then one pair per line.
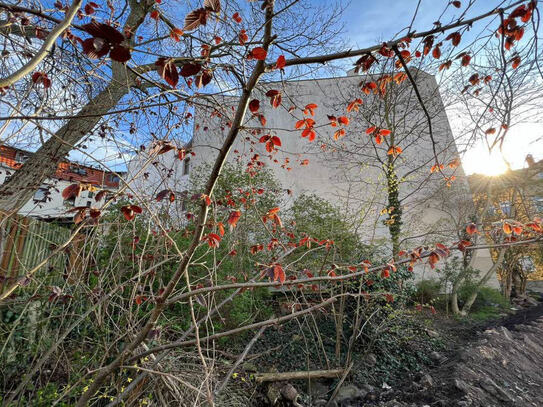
x,y
345,171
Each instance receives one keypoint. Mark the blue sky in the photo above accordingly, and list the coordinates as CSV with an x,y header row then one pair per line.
x,y
365,23
369,21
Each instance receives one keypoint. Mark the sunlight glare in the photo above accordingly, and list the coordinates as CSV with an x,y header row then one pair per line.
x,y
479,161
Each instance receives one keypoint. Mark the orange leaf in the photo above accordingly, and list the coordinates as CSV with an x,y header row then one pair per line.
x,y
258,53
234,218
471,229
281,62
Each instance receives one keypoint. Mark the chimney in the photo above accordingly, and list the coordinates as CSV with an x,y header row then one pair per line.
x,y
530,160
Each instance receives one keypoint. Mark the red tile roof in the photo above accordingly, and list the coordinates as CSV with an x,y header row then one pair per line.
x,y
65,169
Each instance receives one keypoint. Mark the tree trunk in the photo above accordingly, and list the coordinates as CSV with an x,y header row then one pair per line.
x,y
44,162
394,209
454,298
469,302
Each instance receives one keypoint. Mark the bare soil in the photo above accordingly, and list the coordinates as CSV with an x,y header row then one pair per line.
x,y
499,364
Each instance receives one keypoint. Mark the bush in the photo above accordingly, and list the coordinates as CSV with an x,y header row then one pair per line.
x,y
427,291
490,302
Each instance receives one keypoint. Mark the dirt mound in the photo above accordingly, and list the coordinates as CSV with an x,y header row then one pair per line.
x,y
502,367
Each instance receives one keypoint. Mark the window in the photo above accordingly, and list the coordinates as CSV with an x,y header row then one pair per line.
x,y
186,166
90,194
89,203
41,195
20,157
505,208
78,170
113,178
182,197
538,203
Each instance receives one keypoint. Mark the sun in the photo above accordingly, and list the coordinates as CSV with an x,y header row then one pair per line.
x,y
479,161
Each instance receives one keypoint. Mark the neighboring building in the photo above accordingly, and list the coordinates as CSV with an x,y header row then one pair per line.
x,y
47,202
516,195
149,176
341,171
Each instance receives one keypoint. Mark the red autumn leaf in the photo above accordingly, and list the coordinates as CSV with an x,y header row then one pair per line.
x,y
515,62
343,120
91,7
400,77
234,218
428,43
100,195
466,60
237,18
436,53
206,199
507,229
155,15
370,130
212,240
257,53
196,18
41,78
278,274
203,79
384,132
254,105
454,37
139,299
120,54
454,163
176,34
307,123
436,168
190,70
217,40
394,151
354,105
220,226
165,193
456,4
310,109
281,62
445,65
275,98
339,133
309,133
471,229
71,191
130,211
167,71
474,79
243,37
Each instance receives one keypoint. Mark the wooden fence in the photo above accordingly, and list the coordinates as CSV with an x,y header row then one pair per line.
x,y
25,242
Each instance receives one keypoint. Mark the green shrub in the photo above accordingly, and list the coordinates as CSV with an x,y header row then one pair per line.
x,y
427,291
490,302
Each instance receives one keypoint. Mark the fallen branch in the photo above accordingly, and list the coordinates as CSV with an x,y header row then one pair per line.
x,y
311,374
